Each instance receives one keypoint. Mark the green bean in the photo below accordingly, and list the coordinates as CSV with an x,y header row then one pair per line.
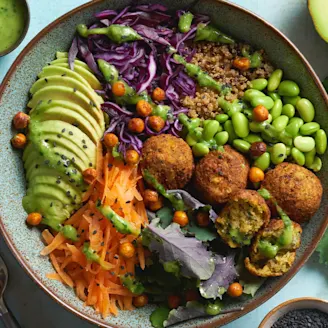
x,y
321,141
288,88
241,145
210,129
294,126
240,124
291,100
274,95
263,161
229,128
221,138
316,165
309,157
200,149
251,93
259,84
266,101
298,156
278,154
305,109
309,128
190,140
280,122
185,21
251,138
274,80
304,144
221,118
276,109
288,110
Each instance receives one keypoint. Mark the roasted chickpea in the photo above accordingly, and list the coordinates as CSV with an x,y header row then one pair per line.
x,y
19,141
144,108
260,113
89,175
118,89
34,219
136,125
110,140
258,148
235,290
242,63
21,120
127,250
155,206
158,94
140,301
156,123
203,219
181,218
132,157
256,174
173,301
150,195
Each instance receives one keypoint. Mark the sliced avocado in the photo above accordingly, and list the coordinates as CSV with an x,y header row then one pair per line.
x,y
66,82
69,106
50,93
61,54
62,71
76,62
319,12
92,80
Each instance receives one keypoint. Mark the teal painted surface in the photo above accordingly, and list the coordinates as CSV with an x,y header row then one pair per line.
x,y
33,308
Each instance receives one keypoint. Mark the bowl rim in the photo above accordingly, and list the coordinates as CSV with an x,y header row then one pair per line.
x,y
219,321
287,303
23,35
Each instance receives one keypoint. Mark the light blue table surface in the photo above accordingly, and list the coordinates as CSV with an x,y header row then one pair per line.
x,y
34,309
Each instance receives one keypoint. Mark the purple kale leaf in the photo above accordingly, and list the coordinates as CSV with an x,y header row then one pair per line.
x,y
224,273
172,245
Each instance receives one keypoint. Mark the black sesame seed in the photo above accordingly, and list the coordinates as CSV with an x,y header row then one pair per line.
x,y
46,140
74,90
280,155
116,257
59,135
82,230
85,146
58,181
64,74
98,285
51,204
122,267
58,163
36,166
55,144
110,165
94,232
56,153
90,164
74,171
49,101
83,141
73,159
92,214
63,130
46,80
128,202
70,133
112,273
63,157
102,243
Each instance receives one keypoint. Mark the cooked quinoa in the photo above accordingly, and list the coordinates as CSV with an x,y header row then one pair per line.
x,y
217,60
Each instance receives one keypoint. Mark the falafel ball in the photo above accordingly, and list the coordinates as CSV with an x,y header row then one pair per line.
x,y
242,217
220,174
297,190
169,159
260,265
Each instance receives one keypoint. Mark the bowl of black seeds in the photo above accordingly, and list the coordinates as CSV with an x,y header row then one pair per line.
x,y
298,313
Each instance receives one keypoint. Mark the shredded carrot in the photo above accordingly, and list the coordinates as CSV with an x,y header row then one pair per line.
x,y
98,284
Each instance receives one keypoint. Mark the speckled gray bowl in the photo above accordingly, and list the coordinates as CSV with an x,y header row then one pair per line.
x,y
26,244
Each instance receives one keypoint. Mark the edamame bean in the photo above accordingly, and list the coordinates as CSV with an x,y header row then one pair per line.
x,y
288,110
316,165
288,88
248,113
251,93
266,101
280,122
274,80
276,109
278,154
221,118
210,129
288,150
259,84
229,128
251,138
263,161
257,126
241,145
298,156
305,109
309,157
185,21
286,138
200,149
221,138
291,100
190,140
321,141
268,138
240,124
294,126
70,232
304,144
274,95
309,128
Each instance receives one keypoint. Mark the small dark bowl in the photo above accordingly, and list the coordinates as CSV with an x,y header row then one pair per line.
x,y
21,38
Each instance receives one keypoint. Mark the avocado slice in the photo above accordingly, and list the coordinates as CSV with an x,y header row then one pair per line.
x,y
69,107
49,93
319,12
92,80
68,82
76,62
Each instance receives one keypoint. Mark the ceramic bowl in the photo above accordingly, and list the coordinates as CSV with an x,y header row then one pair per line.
x,y
26,26
26,243
294,304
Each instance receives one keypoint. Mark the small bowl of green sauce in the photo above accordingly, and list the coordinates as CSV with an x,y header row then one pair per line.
x,y
14,23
